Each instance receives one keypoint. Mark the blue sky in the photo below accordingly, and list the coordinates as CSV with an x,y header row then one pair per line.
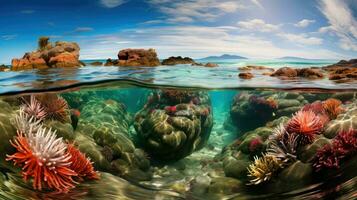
x,y
195,28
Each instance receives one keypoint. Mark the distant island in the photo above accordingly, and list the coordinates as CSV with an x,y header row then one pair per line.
x,y
223,57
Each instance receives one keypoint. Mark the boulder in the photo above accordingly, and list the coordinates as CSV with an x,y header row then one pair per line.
x,y
245,75
3,68
310,73
252,67
137,57
285,72
61,54
290,73
211,65
97,63
178,60
343,71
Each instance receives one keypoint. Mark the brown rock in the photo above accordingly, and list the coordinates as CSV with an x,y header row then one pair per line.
x,y
62,54
211,65
3,68
343,71
286,72
178,60
245,75
138,57
97,63
310,73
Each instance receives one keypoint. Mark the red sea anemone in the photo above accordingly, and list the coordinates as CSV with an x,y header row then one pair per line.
x,y
81,164
255,144
343,146
306,124
44,158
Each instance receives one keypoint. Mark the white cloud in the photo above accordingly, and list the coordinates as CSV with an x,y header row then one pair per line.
x,y
342,22
197,10
193,41
303,39
257,25
257,3
304,23
112,3
83,29
8,37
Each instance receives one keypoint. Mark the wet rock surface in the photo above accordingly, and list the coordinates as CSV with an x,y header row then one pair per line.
x,y
178,60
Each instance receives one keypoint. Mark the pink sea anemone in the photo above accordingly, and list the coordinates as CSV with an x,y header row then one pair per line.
x,y
343,146
306,124
255,144
44,158
34,109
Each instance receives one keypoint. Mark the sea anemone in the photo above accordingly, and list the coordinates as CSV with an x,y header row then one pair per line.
x,y
44,158
23,122
81,164
332,107
282,145
55,106
315,107
34,109
263,169
306,124
343,146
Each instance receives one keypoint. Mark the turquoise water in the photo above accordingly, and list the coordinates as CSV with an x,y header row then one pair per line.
x,y
182,132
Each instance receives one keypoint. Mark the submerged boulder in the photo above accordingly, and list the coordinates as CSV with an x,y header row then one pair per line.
x,y
290,73
174,123
107,124
60,54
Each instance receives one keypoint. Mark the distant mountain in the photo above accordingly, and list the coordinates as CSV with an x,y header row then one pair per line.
x,y
223,57
294,58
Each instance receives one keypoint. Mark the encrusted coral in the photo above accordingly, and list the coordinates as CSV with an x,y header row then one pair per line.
x,y
44,158
178,96
306,124
263,169
332,107
343,146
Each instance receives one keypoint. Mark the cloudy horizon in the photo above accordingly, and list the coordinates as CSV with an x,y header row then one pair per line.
x,y
319,29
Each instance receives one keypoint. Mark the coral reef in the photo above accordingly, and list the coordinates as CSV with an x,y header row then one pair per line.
x,y
174,123
263,169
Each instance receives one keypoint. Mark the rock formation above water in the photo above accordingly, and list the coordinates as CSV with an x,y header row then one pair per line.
x,y
59,54
343,71
135,57
178,60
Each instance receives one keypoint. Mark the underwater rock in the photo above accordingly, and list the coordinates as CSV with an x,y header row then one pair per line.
x,y
134,58
61,54
7,130
224,186
343,122
64,130
178,60
307,153
107,123
245,75
173,123
249,111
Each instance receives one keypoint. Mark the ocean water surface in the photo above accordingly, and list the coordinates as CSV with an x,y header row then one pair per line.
x,y
183,132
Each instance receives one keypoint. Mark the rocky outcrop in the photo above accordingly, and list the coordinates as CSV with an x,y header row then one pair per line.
x,y
178,61
61,54
252,67
3,68
211,65
134,58
97,63
174,123
245,75
343,71
291,73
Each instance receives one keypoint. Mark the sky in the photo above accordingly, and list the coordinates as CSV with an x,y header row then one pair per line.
x,y
262,29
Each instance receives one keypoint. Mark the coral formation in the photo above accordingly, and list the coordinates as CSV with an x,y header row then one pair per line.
x,y
263,169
